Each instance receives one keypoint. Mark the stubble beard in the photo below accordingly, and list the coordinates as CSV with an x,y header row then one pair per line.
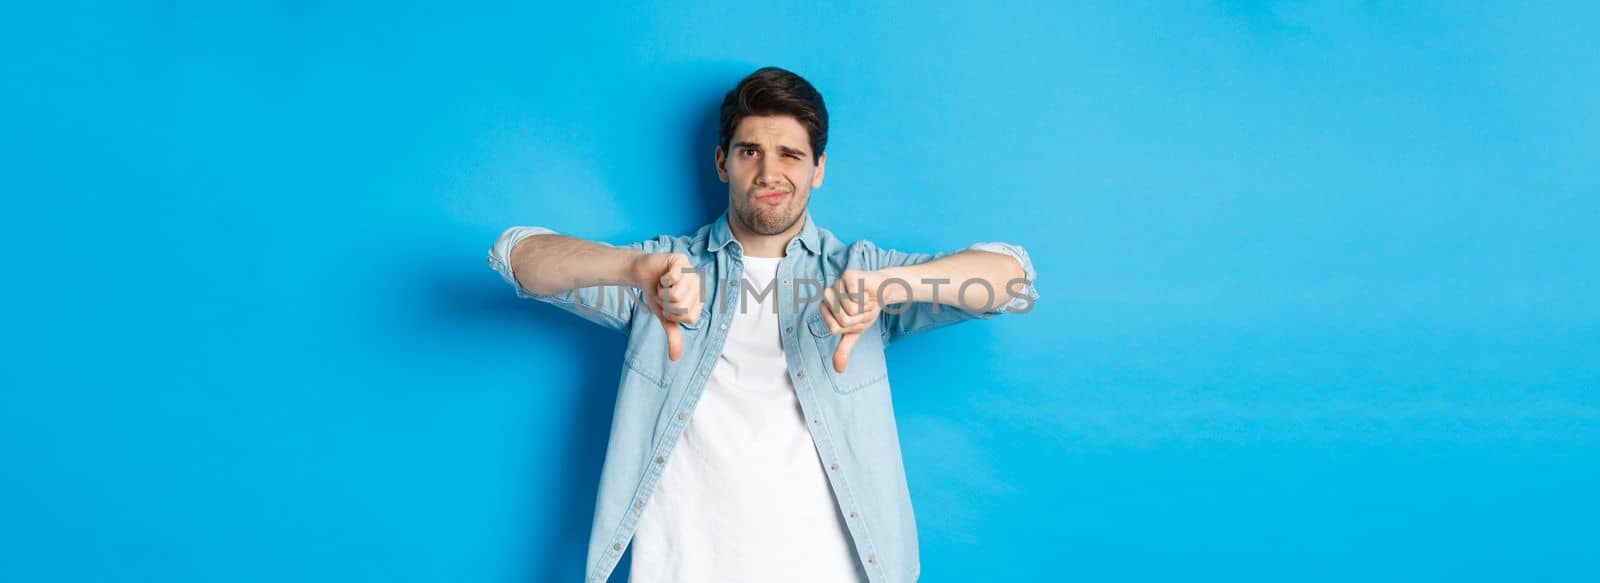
x,y
770,221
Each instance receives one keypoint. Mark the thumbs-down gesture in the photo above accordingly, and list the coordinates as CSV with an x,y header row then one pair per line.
x,y
851,306
671,288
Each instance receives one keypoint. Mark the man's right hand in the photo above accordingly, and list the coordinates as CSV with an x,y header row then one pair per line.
x,y
671,288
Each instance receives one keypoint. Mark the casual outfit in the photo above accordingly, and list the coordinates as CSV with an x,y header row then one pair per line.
x,y
749,458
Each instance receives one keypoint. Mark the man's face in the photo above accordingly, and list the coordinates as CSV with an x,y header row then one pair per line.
x,y
769,172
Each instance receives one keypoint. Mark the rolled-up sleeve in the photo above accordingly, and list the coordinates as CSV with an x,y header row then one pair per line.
x,y
500,255
1022,300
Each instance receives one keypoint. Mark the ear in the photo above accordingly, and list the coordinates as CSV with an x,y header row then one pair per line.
x,y
822,162
722,168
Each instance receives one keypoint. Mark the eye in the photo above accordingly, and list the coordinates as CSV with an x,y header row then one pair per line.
x,y
748,151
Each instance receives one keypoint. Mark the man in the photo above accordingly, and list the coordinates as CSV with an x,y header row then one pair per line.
x,y
754,438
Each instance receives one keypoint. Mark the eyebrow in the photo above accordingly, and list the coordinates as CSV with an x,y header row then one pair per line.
x,y
782,149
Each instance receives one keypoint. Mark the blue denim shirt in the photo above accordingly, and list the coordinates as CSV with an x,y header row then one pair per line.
x,y
849,414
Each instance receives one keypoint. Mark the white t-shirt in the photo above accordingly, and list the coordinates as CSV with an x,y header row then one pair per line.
x,y
744,496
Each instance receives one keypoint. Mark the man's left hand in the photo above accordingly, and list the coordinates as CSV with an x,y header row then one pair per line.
x,y
849,307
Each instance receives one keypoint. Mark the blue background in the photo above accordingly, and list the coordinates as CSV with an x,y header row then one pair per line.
x,y
1317,279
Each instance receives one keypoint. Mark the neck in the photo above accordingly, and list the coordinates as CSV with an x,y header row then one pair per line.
x,y
757,245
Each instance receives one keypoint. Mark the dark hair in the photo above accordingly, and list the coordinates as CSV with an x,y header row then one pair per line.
x,y
776,91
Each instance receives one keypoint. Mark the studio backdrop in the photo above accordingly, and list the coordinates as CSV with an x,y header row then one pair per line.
x,y
1317,279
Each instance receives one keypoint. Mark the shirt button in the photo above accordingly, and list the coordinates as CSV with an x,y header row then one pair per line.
x,y
789,329
723,326
682,416
640,504
816,420
616,547
705,371
833,467
801,374
662,460
872,559
852,515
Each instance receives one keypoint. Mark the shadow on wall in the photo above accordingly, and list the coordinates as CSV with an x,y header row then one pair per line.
x,y
702,140
467,297
473,300
580,447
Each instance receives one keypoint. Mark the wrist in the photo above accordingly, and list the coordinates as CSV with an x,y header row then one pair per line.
x,y
638,272
896,285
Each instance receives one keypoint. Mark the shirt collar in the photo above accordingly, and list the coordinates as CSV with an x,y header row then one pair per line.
x,y
721,234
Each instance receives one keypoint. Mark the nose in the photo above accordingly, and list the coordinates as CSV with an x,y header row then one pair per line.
x,y
767,174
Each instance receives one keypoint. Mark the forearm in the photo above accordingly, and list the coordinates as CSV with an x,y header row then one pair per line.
x,y
972,280
550,264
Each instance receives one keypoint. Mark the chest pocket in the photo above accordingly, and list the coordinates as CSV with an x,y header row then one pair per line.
x,y
866,366
647,347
